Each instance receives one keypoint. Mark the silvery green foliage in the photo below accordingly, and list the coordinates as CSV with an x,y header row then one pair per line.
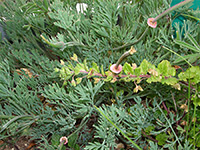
x,y
40,106
104,129
131,122
139,119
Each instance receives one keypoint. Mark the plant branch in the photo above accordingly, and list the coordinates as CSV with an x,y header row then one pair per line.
x,y
171,9
135,42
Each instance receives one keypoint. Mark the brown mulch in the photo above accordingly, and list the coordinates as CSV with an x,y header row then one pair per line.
x,y
23,143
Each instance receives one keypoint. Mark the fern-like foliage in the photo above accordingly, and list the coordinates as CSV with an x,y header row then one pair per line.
x,y
35,102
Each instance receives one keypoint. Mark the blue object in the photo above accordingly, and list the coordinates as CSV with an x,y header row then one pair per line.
x,y
180,19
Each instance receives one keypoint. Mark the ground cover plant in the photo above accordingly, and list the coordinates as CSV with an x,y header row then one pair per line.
x,y
114,75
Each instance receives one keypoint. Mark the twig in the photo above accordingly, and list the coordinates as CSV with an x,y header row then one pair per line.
x,y
149,137
163,103
135,42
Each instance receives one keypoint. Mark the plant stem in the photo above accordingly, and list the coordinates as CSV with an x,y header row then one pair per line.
x,y
83,123
177,55
163,103
188,113
61,146
126,54
135,42
171,9
170,126
194,116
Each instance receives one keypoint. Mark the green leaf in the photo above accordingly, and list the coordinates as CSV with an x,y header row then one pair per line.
x,y
194,42
78,68
95,67
78,80
154,79
76,147
196,100
166,69
149,129
186,45
191,58
169,81
137,71
144,66
193,73
162,138
85,65
128,69
73,82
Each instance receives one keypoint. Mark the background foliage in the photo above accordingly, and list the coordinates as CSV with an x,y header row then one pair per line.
x,y
34,101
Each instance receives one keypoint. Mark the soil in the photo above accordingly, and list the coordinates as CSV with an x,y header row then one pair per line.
x,y
23,143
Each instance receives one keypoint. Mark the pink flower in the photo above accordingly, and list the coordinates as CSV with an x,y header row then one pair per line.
x,y
64,140
151,23
116,70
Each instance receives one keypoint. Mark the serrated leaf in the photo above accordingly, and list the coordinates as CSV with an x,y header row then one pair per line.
x,y
166,69
144,66
137,71
154,79
162,138
127,69
95,67
193,73
149,129
169,81
109,76
96,80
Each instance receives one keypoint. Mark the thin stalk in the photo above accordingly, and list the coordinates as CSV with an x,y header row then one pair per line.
x,y
194,128
178,55
126,54
188,113
135,42
118,128
83,123
171,9
60,146
170,126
